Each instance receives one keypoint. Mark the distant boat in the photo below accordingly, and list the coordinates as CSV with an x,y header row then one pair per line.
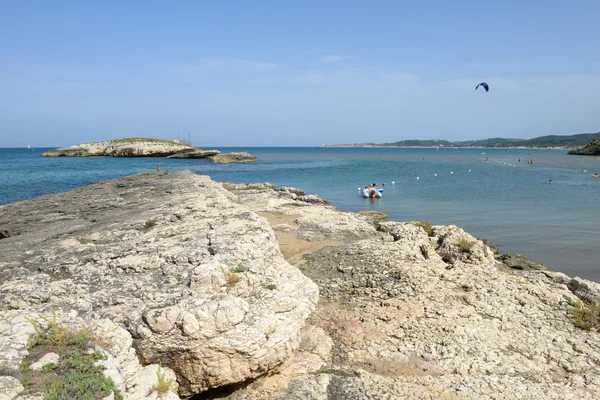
x,y
28,146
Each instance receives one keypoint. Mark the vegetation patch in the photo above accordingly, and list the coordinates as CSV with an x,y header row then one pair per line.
x,y
231,277
76,376
140,140
163,384
465,245
584,315
425,225
239,269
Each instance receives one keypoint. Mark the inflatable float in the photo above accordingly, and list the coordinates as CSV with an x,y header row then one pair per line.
x,y
372,192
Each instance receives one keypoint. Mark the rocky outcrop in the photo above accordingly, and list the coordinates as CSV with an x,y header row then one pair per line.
x,y
196,153
517,261
417,317
193,270
194,276
141,147
132,380
233,157
590,149
134,147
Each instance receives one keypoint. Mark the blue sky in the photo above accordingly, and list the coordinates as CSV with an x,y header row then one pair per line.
x,y
303,73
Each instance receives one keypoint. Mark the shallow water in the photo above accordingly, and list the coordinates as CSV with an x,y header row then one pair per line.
x,y
506,201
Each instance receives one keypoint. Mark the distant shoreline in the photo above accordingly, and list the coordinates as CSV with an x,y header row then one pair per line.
x,y
445,147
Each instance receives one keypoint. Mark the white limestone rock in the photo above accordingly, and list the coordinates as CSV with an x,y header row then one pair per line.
x,y
157,253
49,358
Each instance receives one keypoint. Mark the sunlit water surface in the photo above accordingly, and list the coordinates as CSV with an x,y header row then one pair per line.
x,y
506,201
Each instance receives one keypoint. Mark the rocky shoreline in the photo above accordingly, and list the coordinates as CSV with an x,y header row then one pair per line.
x,y
250,291
590,149
146,147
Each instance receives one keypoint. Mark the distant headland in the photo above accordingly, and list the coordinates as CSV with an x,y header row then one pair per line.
x,y
146,147
591,149
553,141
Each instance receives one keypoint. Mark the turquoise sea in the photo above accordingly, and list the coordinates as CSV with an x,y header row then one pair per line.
x,y
508,202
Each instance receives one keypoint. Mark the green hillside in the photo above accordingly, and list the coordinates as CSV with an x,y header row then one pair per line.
x,y
567,141
421,143
562,141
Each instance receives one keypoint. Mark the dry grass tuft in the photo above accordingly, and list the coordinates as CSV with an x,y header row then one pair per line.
x,y
426,225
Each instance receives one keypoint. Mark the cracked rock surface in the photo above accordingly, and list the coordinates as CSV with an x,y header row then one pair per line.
x,y
417,317
195,277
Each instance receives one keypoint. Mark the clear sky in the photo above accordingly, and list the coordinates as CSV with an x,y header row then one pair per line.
x,y
296,73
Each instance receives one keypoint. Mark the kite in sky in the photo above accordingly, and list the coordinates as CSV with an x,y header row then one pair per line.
x,y
483,85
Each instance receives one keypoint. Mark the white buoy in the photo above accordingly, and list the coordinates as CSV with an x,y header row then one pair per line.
x,y
451,172
393,182
359,189
469,170
434,174
417,178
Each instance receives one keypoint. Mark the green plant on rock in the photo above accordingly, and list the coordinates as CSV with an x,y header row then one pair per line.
x,y
465,245
98,355
49,367
80,378
239,269
231,278
24,366
75,376
272,286
61,335
426,225
163,384
584,315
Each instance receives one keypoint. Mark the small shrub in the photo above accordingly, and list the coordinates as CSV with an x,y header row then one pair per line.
x,y
80,379
24,366
97,354
231,278
584,315
75,376
272,286
465,245
426,225
25,382
163,384
61,335
239,269
49,367
570,301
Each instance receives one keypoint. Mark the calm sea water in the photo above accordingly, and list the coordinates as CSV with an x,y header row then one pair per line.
x,y
506,201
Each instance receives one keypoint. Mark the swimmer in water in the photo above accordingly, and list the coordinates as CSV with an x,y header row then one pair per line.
x,y
584,170
595,176
550,181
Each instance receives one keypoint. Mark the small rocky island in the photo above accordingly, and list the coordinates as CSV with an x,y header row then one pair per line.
x,y
146,147
590,149
168,285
